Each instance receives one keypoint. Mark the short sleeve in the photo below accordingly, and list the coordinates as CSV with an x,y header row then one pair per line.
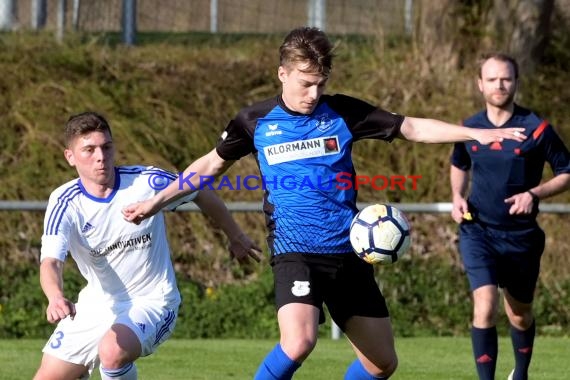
x,y
555,151
460,157
57,228
364,120
235,142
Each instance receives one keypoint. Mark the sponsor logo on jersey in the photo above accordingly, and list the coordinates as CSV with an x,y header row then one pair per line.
x,y
273,130
138,242
297,150
87,227
323,122
141,326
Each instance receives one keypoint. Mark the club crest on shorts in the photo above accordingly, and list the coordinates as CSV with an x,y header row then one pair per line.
x,y
301,288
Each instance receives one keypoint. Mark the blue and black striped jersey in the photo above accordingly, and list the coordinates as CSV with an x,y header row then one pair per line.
x,y
301,159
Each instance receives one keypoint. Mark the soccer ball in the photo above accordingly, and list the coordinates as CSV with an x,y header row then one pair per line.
x,y
380,234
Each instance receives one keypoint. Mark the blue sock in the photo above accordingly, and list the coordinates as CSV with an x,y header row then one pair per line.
x,y
485,349
356,371
276,366
523,342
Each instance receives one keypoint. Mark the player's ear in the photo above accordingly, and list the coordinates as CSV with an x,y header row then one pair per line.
x,y
282,74
68,153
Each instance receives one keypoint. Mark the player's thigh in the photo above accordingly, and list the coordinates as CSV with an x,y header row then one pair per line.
x,y
372,340
298,327
52,368
519,313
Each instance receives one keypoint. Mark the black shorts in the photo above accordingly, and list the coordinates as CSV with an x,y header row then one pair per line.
x,y
344,283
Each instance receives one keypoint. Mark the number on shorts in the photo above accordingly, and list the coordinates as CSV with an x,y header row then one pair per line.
x,y
55,340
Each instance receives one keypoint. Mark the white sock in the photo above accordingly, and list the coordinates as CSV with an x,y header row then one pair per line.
x,y
127,372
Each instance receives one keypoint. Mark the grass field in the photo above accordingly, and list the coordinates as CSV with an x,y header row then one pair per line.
x,y
420,358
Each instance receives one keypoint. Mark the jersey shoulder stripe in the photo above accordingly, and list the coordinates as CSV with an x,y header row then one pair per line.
x,y
57,212
130,169
146,170
540,130
157,171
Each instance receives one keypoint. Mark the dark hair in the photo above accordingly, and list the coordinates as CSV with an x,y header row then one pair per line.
x,y
307,45
84,123
499,57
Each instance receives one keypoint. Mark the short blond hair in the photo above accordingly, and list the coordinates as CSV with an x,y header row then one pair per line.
x,y
307,45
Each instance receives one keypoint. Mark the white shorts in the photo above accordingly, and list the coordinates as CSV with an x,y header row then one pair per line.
x,y
76,341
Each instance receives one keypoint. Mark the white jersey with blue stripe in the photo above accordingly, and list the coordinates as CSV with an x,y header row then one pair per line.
x,y
119,260
306,165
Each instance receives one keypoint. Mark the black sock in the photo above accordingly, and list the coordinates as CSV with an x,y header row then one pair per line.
x,y
523,342
485,349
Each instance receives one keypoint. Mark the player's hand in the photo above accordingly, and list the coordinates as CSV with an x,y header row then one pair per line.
x,y
521,204
243,248
59,308
460,211
489,136
137,212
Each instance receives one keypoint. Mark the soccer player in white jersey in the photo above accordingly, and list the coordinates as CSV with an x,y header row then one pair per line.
x,y
130,303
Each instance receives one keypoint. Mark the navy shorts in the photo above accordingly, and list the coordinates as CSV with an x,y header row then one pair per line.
x,y
509,259
344,283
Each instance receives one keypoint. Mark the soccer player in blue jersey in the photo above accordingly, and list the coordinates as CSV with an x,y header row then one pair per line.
x,y
130,303
500,241
302,141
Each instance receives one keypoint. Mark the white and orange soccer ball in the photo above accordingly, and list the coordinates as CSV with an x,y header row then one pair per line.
x,y
380,234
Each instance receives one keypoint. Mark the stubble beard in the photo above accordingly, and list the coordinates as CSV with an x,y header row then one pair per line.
x,y
502,103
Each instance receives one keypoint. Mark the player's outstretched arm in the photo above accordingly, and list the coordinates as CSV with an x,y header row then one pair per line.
x,y
51,280
209,165
436,131
241,246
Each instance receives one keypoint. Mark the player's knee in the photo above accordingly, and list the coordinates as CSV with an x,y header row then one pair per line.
x,y
384,367
521,321
484,316
520,315
112,356
298,349
484,321
118,347
389,366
